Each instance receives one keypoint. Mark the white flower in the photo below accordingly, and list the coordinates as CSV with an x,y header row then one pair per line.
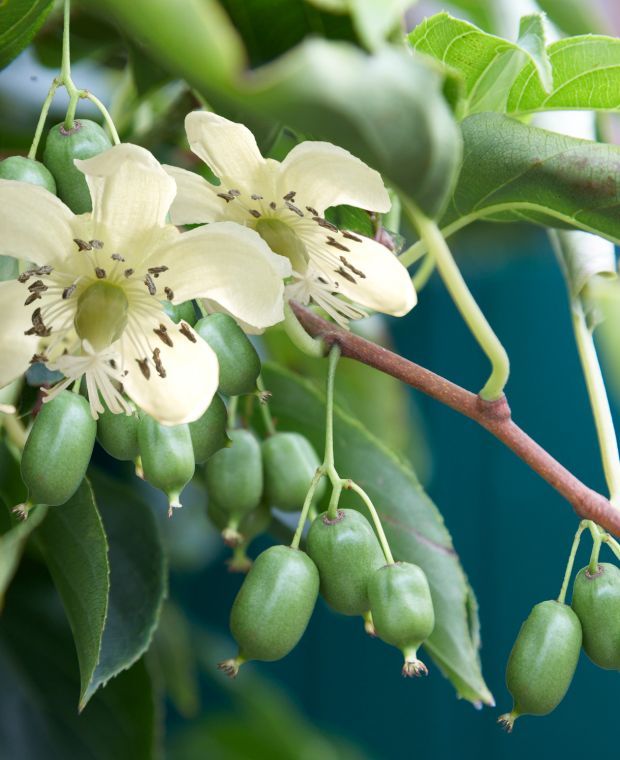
x,y
285,203
91,304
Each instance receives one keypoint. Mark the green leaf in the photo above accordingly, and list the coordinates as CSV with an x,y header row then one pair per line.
x,y
19,22
388,109
584,257
138,578
532,40
12,543
76,551
543,177
414,527
586,75
39,676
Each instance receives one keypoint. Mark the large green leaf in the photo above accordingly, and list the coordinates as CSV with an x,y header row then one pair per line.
x,y
40,678
19,22
76,551
510,77
13,537
414,527
138,578
514,172
373,21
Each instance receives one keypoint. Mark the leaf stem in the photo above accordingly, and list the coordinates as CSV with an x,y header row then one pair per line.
x,y
465,302
353,486
571,561
424,272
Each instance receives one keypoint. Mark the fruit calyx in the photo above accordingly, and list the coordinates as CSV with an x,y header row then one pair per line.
x,y
599,571
231,666
327,520
412,667
507,720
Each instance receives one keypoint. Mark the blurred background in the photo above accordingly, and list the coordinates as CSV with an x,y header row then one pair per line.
x,y
340,694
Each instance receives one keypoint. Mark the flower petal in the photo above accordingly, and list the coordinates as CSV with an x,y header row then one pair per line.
x,y
228,148
381,282
191,371
228,264
36,225
16,349
325,175
131,193
196,200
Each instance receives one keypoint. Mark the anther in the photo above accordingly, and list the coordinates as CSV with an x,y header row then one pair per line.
x,y
82,245
117,257
32,298
324,223
148,281
46,269
169,293
37,285
158,364
272,205
128,272
322,280
38,326
100,273
156,271
25,276
351,236
234,193
98,244
144,368
162,333
68,292
294,209
184,330
346,275
256,197
36,358
290,196
226,196
256,214
312,211
350,266
335,244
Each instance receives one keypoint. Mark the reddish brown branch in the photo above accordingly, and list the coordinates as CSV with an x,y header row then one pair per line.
x,y
494,416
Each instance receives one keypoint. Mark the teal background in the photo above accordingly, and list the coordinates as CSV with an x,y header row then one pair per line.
x,y
512,531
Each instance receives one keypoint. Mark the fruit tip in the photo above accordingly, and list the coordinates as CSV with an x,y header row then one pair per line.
x,y
231,667
507,721
414,668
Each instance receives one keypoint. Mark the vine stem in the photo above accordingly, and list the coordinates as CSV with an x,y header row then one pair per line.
x,y
353,486
424,272
494,416
328,462
465,303
65,70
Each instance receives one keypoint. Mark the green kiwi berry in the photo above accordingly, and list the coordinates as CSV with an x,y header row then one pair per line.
x,y
273,606
58,449
248,527
167,457
209,431
237,357
234,477
542,661
347,553
181,312
596,600
27,170
290,463
84,140
118,434
402,610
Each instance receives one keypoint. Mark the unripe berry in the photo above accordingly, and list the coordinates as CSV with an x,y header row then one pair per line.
x,y
85,140
347,553
209,431
118,434
184,312
596,600
248,527
273,606
542,661
290,463
402,610
27,170
58,449
237,357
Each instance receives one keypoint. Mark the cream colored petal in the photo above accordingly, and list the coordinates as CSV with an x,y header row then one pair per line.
x,y
131,193
196,200
380,283
34,224
229,149
16,349
325,175
190,365
231,265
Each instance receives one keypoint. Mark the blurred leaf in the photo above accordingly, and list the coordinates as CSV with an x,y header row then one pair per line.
x,y
373,21
40,678
9,268
584,257
13,539
138,578
76,552
351,218
532,40
545,177
414,527
388,109
147,74
12,488
573,16
19,22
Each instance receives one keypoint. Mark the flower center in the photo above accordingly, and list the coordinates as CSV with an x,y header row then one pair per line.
x,y
101,314
283,241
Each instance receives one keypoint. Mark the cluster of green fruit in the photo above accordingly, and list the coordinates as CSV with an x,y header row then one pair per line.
x,y
345,562
544,657
58,173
